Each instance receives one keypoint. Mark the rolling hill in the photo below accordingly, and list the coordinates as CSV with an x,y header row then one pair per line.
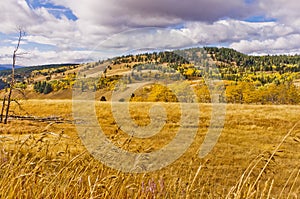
x,y
247,79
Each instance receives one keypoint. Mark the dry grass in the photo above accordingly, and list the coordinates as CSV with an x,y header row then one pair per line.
x,y
257,156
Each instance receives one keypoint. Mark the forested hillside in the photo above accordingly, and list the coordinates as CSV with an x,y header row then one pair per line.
x,y
247,79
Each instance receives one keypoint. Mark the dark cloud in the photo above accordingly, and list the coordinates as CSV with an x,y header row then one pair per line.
x,y
191,10
117,15
286,12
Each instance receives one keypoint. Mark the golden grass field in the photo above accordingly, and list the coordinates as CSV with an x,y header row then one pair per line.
x,y
257,155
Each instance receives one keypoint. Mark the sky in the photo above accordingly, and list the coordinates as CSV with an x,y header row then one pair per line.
x,y
77,31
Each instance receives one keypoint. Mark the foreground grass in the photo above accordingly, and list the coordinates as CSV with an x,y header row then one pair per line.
x,y
257,156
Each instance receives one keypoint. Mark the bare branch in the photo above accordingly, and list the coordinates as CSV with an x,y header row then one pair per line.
x,y
19,105
20,54
21,92
21,35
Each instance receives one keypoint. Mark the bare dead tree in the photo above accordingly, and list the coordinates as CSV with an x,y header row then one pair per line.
x,y
12,82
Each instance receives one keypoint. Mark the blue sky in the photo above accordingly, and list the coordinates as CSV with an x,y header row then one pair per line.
x,y
60,31
57,10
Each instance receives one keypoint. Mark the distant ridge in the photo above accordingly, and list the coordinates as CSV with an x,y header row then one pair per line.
x,y
26,70
7,66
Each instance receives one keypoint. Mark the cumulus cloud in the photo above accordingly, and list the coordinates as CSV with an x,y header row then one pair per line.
x,y
50,57
14,14
119,15
18,14
5,54
104,28
234,30
286,12
38,57
280,45
142,12
203,22
194,33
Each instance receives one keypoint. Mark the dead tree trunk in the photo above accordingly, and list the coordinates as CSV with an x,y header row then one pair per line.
x,y
2,110
12,82
8,105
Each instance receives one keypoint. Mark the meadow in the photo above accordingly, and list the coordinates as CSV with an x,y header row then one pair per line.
x,y
257,155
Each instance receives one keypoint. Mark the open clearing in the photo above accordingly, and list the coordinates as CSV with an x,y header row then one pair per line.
x,y
47,159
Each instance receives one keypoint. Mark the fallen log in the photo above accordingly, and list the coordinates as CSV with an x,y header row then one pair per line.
x,y
55,119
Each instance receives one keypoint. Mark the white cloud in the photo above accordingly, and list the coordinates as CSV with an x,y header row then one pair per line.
x,y
36,22
40,40
112,27
146,38
102,18
288,44
200,19
51,57
6,54
38,57
15,14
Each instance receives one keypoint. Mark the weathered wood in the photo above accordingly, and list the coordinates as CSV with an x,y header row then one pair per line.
x,y
41,119
2,110
8,105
